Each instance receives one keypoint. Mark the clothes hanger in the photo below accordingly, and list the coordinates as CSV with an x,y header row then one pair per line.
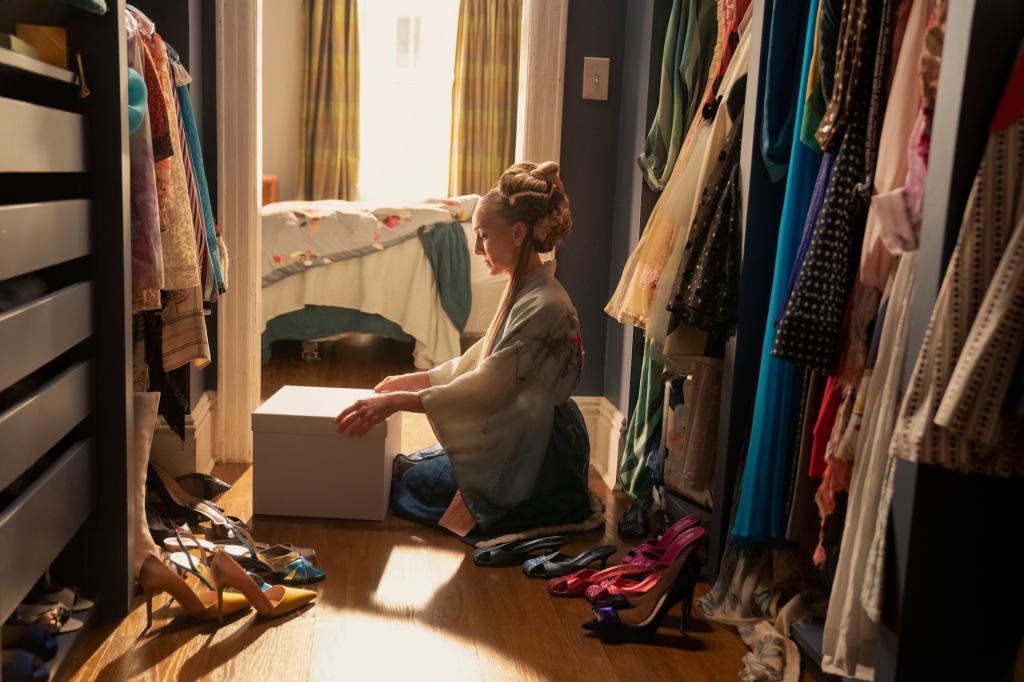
x,y
136,21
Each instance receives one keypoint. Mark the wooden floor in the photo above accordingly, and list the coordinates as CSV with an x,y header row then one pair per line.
x,y
401,602
356,361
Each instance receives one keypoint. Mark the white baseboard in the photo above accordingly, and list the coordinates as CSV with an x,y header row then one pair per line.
x,y
196,452
604,424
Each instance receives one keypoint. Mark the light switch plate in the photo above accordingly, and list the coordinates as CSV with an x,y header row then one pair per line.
x,y
595,78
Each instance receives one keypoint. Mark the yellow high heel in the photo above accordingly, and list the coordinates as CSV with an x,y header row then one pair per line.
x,y
276,601
155,577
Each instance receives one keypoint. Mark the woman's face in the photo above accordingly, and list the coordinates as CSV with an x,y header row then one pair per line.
x,y
497,241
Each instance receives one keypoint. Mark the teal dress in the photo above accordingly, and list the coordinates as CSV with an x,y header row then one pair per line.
x,y
761,513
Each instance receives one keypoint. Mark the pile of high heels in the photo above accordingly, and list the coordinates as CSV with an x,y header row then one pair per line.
x,y
632,598
173,507
628,599
210,585
31,635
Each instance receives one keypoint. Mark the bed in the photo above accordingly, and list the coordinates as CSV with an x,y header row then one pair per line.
x,y
406,272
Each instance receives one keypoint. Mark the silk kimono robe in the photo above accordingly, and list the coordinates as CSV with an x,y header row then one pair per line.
x,y
510,439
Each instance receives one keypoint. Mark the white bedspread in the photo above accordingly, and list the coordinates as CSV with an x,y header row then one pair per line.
x,y
298,235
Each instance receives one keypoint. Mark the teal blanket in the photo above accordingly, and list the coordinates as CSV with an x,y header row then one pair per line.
x,y
448,252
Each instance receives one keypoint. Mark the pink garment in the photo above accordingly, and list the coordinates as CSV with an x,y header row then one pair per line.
x,y
893,175
730,14
147,250
904,221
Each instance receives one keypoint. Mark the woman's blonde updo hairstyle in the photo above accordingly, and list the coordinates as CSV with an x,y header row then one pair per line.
x,y
534,195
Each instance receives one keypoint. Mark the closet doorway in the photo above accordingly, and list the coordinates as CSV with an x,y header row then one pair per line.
x,y
305,321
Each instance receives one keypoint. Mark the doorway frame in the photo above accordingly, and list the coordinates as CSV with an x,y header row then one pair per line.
x,y
239,39
239,33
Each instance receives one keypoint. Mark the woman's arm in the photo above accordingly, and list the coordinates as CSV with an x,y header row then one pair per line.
x,y
363,415
417,381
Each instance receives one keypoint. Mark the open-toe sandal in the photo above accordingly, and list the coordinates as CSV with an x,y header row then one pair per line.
x,y
515,553
555,565
277,564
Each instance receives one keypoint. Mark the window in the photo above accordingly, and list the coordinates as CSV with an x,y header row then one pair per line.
x,y
407,62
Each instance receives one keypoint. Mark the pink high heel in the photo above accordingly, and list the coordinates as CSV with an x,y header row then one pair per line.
x,y
636,564
659,545
576,584
636,583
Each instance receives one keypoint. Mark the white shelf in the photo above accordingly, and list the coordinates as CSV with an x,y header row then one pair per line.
x,y
25,63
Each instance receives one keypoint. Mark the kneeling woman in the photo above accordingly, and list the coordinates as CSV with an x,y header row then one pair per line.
x,y
513,452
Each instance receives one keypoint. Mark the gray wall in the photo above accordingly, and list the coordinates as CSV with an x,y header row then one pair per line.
x,y
589,161
282,92
633,120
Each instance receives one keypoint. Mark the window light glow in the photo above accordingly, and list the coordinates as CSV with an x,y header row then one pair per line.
x,y
407,62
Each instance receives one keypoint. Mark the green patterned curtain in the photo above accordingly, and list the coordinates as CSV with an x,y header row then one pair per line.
x,y
329,149
484,94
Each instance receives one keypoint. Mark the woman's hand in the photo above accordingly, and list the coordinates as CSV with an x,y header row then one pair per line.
x,y
363,415
417,381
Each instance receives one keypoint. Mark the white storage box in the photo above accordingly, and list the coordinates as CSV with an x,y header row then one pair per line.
x,y
302,466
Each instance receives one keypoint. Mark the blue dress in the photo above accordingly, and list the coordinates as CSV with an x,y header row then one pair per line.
x,y
761,514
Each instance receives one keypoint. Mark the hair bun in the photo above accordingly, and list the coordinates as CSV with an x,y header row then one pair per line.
x,y
536,196
548,169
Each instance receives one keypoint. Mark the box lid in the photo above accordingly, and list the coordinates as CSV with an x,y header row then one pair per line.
x,y
306,409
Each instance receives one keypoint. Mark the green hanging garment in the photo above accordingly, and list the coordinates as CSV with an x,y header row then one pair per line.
x,y
643,436
689,46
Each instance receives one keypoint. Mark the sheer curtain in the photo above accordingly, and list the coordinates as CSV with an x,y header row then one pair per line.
x,y
408,57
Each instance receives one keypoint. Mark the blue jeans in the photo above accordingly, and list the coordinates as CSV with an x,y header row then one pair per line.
x,y
424,492
561,495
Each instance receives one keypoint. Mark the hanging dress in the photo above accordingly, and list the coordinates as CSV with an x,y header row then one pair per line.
x,y
147,251
760,515
782,73
810,329
643,435
633,300
850,633
181,265
686,56
974,334
901,234
695,176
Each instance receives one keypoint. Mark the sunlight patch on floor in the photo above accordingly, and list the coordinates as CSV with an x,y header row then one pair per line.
x,y
416,432
405,585
369,647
